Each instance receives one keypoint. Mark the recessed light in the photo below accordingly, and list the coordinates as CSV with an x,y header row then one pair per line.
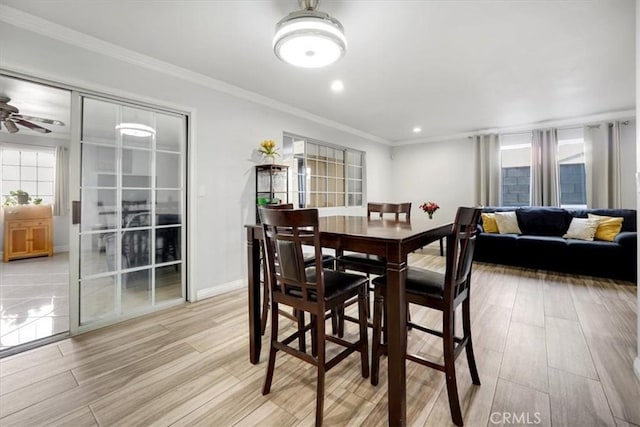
x,y
417,129
337,86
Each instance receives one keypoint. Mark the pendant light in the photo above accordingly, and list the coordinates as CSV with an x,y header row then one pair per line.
x,y
309,38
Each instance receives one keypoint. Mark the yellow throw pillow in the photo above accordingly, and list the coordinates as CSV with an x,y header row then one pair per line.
x,y
489,223
608,227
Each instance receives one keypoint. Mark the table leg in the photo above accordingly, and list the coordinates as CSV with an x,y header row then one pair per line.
x,y
397,345
253,265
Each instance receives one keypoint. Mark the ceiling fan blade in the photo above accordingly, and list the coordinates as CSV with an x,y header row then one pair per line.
x,y
6,107
11,127
29,125
37,119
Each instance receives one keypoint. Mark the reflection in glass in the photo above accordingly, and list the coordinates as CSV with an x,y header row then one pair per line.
x,y
97,253
139,117
136,290
136,168
168,246
98,166
168,282
136,248
98,210
169,202
99,121
97,298
169,132
168,170
136,208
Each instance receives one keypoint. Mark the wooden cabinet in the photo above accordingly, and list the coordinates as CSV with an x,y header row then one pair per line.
x,y
28,231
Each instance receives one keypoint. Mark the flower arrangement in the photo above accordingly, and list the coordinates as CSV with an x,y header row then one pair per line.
x,y
268,148
429,208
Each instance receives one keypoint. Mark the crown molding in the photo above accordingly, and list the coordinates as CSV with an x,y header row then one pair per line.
x,y
66,35
573,121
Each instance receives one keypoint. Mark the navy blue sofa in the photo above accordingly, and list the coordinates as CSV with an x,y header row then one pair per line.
x,y
542,246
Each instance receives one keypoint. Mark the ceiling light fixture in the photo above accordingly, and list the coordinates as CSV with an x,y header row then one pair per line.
x,y
337,86
417,129
135,129
309,38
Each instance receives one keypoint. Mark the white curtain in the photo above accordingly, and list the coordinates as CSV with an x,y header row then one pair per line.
x,y
487,151
602,163
545,187
61,185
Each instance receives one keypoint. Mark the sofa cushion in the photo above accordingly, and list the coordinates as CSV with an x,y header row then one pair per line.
x,y
489,224
629,215
582,229
543,221
608,227
507,223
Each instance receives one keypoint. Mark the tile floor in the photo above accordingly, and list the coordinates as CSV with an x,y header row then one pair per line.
x,y
34,299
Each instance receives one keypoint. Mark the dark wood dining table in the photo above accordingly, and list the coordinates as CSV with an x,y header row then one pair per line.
x,y
391,239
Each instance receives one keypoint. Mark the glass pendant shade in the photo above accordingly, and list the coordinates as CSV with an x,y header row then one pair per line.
x,y
309,39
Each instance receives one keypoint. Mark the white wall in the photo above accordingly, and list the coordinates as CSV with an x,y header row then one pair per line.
x,y
225,132
442,172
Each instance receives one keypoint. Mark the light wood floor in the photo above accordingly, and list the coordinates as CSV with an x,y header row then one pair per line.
x,y
551,350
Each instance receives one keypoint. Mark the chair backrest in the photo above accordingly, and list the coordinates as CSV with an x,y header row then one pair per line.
x,y
460,247
286,231
390,208
279,206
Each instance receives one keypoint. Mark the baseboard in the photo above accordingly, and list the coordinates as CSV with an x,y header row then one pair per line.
x,y
221,289
636,366
56,249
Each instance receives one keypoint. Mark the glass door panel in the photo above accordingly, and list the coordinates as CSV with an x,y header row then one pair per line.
x,y
132,205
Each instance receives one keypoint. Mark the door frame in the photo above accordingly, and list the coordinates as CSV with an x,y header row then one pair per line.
x,y
77,88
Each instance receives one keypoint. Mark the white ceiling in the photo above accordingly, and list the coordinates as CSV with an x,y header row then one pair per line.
x,y
448,66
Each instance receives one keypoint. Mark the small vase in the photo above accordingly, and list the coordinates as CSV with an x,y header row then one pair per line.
x,y
430,215
271,160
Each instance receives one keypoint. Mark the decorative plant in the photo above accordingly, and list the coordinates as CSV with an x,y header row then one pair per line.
x,y
429,208
37,201
17,197
268,148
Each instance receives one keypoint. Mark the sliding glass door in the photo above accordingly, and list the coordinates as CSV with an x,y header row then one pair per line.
x,y
131,214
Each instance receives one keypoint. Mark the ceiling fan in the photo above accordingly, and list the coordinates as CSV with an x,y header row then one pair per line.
x,y
10,118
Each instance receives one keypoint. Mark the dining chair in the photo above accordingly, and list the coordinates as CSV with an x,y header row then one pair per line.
x,y
366,263
312,289
443,292
328,261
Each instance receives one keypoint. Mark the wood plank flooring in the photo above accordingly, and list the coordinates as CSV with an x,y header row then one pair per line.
x,y
551,349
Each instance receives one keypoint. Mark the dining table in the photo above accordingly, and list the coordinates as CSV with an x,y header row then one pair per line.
x,y
391,239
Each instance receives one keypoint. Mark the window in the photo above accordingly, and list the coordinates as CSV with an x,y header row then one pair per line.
x,y
31,170
571,168
324,175
515,169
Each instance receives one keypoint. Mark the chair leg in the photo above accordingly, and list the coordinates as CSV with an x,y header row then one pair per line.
x,y
450,367
363,303
314,336
302,342
340,310
320,342
377,335
334,321
265,308
466,327
265,295
272,350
